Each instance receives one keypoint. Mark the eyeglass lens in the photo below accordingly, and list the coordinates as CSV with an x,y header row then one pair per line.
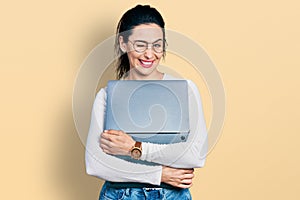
x,y
141,46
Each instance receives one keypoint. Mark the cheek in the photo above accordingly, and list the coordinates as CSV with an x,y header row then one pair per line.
x,y
159,57
132,57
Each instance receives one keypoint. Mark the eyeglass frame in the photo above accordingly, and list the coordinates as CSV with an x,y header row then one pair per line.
x,y
165,44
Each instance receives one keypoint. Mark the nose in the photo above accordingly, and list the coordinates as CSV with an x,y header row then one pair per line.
x,y
149,53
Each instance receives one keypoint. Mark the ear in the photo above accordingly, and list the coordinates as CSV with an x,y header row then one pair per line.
x,y
123,45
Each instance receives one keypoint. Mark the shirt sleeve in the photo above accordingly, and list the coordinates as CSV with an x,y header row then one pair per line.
x,y
109,167
189,154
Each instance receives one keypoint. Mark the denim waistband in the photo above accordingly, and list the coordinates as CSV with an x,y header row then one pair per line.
x,y
120,185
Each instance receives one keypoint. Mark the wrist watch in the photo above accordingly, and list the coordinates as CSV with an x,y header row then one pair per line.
x,y
136,150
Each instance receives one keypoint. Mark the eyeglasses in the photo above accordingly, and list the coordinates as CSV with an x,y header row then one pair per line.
x,y
141,46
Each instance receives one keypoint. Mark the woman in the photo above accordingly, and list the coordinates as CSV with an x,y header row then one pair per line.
x,y
140,45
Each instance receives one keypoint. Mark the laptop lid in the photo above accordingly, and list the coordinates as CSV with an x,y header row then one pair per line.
x,y
149,110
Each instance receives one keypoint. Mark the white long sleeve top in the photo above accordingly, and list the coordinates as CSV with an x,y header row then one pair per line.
x,y
189,154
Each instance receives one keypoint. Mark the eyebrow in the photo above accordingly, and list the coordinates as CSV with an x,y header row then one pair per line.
x,y
148,42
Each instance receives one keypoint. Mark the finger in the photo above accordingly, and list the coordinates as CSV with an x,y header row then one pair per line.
x,y
108,136
105,148
186,181
106,142
189,171
113,132
105,136
188,176
184,185
182,173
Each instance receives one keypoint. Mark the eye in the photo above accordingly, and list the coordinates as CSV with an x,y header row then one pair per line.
x,y
140,44
157,45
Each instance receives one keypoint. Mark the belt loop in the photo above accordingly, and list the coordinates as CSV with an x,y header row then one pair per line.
x,y
127,191
162,194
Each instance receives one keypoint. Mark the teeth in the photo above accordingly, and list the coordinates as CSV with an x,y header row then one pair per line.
x,y
146,63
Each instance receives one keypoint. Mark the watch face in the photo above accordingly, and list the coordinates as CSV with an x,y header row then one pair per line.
x,y
136,153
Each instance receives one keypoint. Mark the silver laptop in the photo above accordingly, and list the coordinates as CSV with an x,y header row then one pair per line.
x,y
154,111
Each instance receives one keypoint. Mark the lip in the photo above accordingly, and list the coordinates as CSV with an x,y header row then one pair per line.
x,y
146,63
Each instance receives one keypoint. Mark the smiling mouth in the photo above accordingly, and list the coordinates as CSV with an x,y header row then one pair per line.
x,y
146,64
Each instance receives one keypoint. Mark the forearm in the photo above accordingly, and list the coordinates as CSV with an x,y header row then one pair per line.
x,y
114,169
187,154
108,167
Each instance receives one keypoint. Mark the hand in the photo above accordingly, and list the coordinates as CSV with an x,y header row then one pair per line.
x,y
181,178
116,142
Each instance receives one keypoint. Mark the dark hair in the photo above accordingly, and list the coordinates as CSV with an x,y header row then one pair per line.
x,y
140,14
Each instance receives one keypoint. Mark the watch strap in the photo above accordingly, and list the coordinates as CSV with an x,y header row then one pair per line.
x,y
138,145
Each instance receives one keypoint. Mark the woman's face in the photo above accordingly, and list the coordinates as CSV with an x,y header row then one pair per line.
x,y
144,50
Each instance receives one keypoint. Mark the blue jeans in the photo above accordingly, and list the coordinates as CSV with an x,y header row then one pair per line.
x,y
108,193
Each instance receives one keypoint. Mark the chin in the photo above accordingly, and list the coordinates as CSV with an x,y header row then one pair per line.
x,y
144,71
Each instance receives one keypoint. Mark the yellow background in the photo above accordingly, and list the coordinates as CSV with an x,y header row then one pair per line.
x,y
254,44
